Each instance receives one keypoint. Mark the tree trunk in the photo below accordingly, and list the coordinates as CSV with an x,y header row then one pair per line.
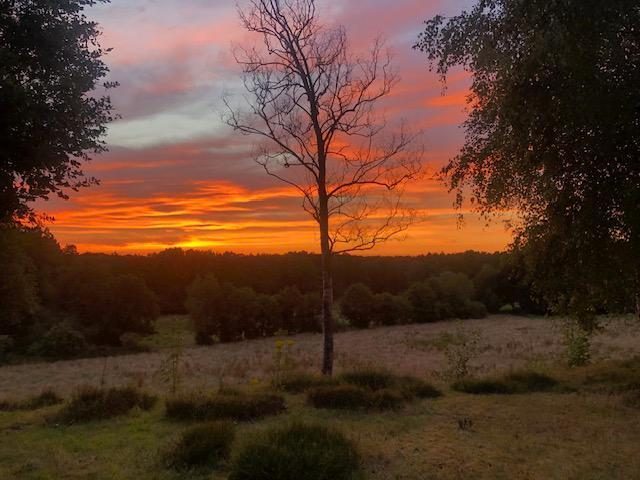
x,y
327,289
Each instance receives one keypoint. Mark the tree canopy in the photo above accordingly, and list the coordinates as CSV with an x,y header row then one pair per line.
x,y
51,120
554,132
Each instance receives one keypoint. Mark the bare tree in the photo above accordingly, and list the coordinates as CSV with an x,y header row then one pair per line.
x,y
311,102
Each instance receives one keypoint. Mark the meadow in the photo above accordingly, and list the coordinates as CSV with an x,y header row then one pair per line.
x,y
587,427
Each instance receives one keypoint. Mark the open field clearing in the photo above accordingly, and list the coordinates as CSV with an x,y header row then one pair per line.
x,y
504,342
588,428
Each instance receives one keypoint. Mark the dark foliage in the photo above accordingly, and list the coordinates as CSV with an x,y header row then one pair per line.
x,y
301,382
340,397
202,446
572,173
50,63
91,403
241,407
513,383
296,452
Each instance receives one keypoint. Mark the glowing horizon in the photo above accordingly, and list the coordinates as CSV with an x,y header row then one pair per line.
x,y
175,176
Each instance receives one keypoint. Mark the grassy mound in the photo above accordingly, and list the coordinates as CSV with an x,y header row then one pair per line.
x,y
513,383
232,406
91,403
296,452
202,446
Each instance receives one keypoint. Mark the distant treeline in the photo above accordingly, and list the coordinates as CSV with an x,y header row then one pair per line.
x,y
55,301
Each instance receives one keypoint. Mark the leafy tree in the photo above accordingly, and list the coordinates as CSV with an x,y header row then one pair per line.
x,y
357,305
553,131
422,299
51,121
312,102
389,309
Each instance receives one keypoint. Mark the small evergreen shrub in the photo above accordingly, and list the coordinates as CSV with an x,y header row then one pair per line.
x,y
371,379
202,446
387,399
298,382
91,403
297,452
525,381
224,406
481,387
513,383
412,387
340,397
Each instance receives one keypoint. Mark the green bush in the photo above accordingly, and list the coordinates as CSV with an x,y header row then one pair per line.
x,y
224,406
340,397
513,383
412,387
297,452
91,403
45,399
409,387
299,382
372,379
357,305
203,445
62,340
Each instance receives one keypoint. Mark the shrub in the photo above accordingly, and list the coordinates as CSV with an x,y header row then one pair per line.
x,y
296,452
224,406
298,382
523,382
513,383
357,305
390,309
61,341
372,379
578,344
387,399
91,403
414,387
203,445
45,399
480,387
340,397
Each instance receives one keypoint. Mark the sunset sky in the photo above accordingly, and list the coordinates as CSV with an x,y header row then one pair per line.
x,y
175,175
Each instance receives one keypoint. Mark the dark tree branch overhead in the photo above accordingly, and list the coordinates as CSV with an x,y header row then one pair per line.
x,y
312,103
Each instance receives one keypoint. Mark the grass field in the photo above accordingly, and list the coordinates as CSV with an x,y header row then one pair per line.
x,y
589,429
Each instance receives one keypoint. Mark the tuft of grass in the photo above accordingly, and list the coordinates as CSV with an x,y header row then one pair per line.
x,y
298,451
202,446
299,382
46,398
513,383
91,403
224,406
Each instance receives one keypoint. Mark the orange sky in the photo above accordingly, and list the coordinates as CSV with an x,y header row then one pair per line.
x,y
175,176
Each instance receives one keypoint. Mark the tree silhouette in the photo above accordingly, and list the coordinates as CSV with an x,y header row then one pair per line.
x,y
50,61
554,132
312,103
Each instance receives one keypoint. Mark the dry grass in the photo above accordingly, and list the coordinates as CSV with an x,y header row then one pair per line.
x,y
592,434
506,342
